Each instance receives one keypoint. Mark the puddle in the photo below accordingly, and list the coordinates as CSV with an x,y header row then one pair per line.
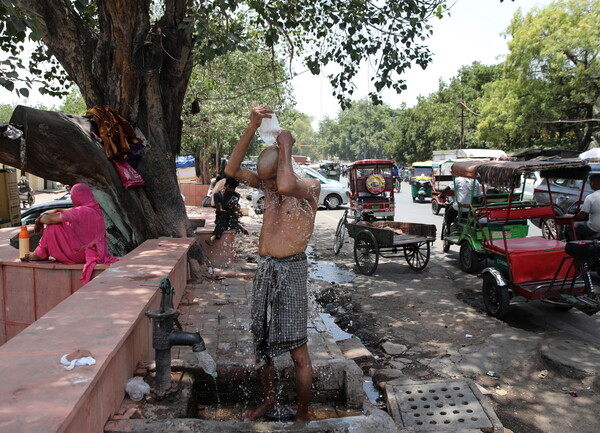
x,y
327,271
370,390
337,333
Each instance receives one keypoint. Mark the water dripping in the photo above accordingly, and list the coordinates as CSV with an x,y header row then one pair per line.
x,y
217,392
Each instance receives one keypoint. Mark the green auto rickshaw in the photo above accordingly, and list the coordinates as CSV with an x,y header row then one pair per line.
x,y
420,182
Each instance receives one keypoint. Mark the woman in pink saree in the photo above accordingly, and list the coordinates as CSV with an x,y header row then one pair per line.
x,y
76,235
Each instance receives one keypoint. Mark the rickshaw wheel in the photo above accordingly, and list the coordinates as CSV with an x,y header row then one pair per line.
x,y
417,255
445,242
495,298
548,226
467,257
435,207
421,198
366,252
340,234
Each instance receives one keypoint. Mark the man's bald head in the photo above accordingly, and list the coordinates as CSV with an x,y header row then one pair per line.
x,y
266,165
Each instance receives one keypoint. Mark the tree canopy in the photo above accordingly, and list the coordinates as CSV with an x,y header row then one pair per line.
x,y
550,90
357,133
138,56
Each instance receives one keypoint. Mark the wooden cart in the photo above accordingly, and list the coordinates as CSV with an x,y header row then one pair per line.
x,y
387,239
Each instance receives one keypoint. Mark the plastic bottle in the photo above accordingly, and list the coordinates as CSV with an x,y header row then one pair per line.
x,y
23,241
207,363
269,129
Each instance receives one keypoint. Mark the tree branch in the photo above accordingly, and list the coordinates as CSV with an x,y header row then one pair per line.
x,y
70,40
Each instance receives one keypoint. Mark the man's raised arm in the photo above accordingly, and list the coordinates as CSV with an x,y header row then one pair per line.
x,y
234,166
287,182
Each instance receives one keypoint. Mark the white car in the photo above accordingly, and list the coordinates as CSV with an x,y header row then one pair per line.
x,y
333,193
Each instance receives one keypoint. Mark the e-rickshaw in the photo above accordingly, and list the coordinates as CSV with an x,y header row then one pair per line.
x,y
420,183
441,179
535,268
466,230
370,220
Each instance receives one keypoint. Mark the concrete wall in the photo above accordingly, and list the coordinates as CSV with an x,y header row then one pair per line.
x,y
106,317
30,290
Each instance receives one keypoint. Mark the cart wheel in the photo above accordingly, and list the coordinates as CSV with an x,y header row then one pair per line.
x,y
495,298
340,234
435,207
549,230
445,242
469,262
366,252
417,255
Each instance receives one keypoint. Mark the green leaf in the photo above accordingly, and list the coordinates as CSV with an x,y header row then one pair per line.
x,y
8,85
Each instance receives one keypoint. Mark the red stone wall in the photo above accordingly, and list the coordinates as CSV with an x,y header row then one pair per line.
x,y
193,192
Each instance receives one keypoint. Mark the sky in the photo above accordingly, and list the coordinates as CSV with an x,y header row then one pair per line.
x,y
471,33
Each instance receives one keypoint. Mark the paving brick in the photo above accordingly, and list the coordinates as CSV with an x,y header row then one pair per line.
x,y
353,349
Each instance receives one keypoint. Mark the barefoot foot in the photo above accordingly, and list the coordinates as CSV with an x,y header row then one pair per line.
x,y
264,408
304,415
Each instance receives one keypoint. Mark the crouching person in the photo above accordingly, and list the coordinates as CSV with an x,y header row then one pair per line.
x,y
227,204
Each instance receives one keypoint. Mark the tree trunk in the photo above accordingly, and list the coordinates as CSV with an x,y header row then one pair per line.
x,y
59,147
140,70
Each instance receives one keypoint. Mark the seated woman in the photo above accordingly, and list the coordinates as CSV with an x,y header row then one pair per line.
x,y
76,235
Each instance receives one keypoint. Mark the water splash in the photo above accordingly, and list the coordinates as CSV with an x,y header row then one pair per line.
x,y
217,391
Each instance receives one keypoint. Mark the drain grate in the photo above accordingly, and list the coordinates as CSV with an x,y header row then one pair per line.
x,y
451,405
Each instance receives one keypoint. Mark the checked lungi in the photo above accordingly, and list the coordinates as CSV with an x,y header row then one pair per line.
x,y
279,306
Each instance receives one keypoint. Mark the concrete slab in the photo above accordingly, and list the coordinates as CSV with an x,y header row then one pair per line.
x,y
573,358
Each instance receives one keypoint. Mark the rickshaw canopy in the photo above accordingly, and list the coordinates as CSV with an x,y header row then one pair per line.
x,y
509,173
363,163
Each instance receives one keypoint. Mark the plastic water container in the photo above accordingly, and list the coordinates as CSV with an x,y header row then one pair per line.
x,y
23,242
269,129
207,363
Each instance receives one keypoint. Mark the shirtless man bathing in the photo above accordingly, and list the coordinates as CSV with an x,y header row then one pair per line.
x,y
279,296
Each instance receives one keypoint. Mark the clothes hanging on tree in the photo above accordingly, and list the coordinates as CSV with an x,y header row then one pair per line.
x,y
117,134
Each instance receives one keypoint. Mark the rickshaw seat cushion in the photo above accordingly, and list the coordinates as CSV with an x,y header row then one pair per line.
x,y
520,213
523,245
533,258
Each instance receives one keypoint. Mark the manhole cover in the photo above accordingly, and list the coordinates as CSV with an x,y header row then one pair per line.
x,y
440,405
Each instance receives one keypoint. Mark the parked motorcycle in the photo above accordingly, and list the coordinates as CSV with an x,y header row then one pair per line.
x,y
26,197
